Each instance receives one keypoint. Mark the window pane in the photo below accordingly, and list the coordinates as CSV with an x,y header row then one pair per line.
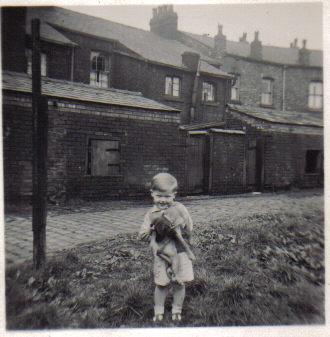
x,y
265,99
43,65
318,102
176,87
267,92
234,95
264,86
94,63
104,78
315,98
208,92
168,85
318,88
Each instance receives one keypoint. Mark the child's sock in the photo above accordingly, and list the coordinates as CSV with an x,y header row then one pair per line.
x,y
159,297
179,292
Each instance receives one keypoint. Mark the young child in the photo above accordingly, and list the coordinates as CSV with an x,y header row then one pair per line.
x,y
172,255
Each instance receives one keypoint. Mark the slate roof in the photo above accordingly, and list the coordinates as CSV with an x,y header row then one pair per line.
x,y
48,33
82,92
289,56
283,121
144,43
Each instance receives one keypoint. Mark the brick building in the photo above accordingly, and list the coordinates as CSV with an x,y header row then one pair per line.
x,y
125,103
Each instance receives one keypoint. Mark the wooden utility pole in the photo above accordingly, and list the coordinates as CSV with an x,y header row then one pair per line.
x,y
39,156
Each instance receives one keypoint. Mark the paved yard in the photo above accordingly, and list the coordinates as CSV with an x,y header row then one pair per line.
x,y
100,220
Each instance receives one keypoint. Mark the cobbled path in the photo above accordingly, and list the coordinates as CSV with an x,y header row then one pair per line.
x,y
101,220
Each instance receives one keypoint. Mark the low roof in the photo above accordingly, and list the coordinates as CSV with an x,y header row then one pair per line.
x,y
285,121
288,56
144,43
82,92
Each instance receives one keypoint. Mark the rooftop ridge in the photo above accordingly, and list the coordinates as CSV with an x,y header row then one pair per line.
x,y
239,42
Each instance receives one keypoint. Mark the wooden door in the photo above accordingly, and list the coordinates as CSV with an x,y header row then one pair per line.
x,y
197,170
255,164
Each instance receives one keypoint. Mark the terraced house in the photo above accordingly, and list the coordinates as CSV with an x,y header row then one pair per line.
x,y
125,103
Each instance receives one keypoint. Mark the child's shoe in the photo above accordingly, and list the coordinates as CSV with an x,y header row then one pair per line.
x,y
158,318
176,317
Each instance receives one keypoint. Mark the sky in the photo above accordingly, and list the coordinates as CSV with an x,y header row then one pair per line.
x,y
278,23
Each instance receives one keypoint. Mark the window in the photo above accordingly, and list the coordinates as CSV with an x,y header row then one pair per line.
x,y
313,161
100,65
208,92
172,86
43,62
235,88
103,157
267,91
315,96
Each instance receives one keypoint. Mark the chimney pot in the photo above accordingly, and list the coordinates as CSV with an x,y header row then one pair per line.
x,y
256,47
220,43
164,22
256,35
243,37
220,29
304,54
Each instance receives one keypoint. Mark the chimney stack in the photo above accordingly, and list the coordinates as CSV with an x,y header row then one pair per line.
x,y
304,54
220,43
243,38
256,47
294,44
164,22
190,60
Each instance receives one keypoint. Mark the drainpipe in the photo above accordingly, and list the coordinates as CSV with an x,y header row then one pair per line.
x,y
72,63
283,87
194,93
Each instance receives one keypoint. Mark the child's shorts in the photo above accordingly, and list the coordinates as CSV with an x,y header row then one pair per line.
x,y
181,265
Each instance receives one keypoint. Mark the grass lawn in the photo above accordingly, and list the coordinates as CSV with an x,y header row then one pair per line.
x,y
265,268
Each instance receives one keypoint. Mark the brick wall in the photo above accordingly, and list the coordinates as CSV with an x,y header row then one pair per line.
x,y
227,163
251,72
285,159
297,83
132,74
284,155
150,143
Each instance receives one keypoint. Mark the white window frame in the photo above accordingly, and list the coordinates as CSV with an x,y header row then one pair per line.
x,y
43,62
267,97
235,89
315,95
172,86
208,92
100,70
